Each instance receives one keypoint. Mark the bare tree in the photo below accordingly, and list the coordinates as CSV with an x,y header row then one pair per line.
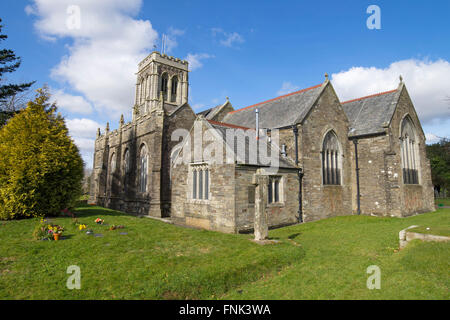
x,y
15,102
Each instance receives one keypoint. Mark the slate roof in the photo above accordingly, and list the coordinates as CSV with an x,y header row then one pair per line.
x,y
221,128
371,114
279,112
211,112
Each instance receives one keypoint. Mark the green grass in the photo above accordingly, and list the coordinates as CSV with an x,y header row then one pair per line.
x,y
436,230
325,259
443,202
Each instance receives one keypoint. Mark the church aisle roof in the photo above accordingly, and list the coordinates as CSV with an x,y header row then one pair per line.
x,y
278,112
209,113
371,114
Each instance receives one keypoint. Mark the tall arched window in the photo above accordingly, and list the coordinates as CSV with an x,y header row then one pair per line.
x,y
164,83
112,169
143,163
173,93
126,169
331,162
409,152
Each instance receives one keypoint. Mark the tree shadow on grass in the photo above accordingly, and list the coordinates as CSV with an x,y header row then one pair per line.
x,y
293,236
85,210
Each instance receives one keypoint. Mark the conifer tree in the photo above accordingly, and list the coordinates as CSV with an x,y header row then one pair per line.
x,y
40,166
9,62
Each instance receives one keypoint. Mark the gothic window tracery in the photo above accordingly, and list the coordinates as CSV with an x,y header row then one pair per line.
x,y
408,149
143,169
127,169
331,166
112,169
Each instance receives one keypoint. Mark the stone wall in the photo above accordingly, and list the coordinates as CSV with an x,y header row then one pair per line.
x,y
383,192
279,214
109,190
216,213
322,201
374,168
410,199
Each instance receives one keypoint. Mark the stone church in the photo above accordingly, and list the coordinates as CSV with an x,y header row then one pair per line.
x,y
327,157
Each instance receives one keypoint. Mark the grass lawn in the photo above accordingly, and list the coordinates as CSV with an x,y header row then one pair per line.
x,y
325,259
444,202
438,230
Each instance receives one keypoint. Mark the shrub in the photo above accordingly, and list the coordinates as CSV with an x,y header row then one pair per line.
x,y
40,166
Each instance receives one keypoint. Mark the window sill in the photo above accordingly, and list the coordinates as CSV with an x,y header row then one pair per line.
x,y
198,201
275,205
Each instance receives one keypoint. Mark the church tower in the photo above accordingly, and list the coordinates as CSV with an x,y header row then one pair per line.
x,y
159,74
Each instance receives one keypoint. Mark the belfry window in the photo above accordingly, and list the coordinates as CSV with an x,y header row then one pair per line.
x,y
143,168
174,89
408,148
164,84
200,181
331,172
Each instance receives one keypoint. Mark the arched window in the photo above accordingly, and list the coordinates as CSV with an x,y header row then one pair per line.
x,y
409,152
112,169
173,90
331,162
143,168
126,169
164,83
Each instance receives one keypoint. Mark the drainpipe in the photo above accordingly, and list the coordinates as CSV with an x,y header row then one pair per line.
x,y
300,206
295,129
300,176
358,196
257,123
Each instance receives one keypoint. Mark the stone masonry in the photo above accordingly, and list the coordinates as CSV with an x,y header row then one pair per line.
x,y
154,165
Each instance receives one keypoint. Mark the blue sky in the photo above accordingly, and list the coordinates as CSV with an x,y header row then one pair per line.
x,y
249,51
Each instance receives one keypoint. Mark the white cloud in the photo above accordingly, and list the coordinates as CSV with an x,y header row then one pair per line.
x,y
286,88
195,60
198,106
102,60
83,132
171,38
425,80
431,138
228,38
83,128
29,10
72,103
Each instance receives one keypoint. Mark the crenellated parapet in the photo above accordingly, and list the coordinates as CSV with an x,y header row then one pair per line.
x,y
159,73
164,58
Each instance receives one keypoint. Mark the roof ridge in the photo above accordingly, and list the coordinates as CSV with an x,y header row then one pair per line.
x,y
224,124
370,96
273,99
